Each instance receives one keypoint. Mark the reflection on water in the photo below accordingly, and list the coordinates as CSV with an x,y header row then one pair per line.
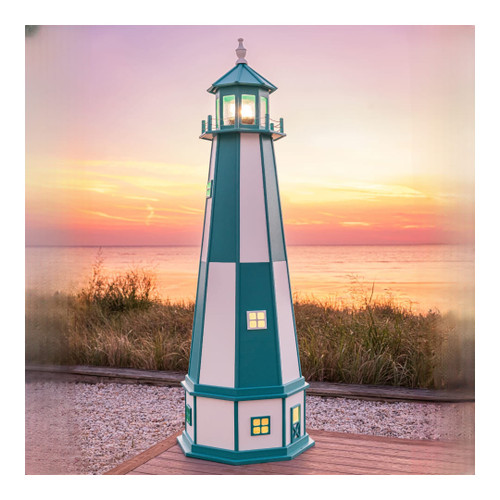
x,y
428,276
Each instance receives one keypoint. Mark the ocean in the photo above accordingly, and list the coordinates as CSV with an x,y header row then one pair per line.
x,y
439,277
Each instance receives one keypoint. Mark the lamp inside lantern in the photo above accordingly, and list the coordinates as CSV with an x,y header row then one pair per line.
x,y
229,109
247,109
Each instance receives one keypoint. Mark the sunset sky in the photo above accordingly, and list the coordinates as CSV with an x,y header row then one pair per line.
x,y
379,123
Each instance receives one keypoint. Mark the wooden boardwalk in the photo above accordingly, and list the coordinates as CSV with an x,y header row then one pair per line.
x,y
333,453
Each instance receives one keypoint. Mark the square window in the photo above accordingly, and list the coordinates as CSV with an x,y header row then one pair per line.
x,y
209,189
260,426
256,320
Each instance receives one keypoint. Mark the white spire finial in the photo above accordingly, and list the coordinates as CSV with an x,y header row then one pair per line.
x,y
241,52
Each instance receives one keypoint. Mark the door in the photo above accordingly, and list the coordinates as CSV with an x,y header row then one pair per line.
x,y
295,422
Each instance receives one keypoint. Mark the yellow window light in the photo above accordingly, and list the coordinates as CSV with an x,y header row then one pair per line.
x,y
260,426
256,320
296,414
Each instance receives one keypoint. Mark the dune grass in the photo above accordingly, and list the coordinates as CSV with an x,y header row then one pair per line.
x,y
118,321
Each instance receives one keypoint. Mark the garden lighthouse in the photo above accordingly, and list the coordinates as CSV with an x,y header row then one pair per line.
x,y
245,394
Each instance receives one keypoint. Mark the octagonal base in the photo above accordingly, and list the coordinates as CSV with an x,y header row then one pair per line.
x,y
243,457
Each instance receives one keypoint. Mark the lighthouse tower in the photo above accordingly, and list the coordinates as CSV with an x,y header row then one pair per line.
x,y
245,393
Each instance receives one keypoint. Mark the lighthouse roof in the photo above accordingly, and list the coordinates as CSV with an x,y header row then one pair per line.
x,y
242,74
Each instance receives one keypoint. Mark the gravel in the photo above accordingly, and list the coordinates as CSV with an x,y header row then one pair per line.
x,y
77,428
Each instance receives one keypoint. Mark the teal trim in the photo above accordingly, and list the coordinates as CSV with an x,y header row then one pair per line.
x,y
283,421
305,412
257,349
273,134
224,223
276,238
237,299
245,393
198,323
188,417
261,427
236,427
289,452
195,420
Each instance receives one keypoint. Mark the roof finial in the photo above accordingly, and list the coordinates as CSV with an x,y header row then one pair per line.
x,y
241,52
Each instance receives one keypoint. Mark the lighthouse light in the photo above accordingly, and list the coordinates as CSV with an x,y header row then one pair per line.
x,y
247,109
228,109
256,320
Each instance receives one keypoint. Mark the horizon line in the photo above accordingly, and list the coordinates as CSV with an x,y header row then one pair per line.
x,y
289,245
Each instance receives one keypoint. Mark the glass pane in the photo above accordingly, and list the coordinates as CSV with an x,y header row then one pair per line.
x,y
247,109
228,109
263,111
217,113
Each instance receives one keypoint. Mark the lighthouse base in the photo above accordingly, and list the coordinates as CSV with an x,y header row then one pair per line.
x,y
243,457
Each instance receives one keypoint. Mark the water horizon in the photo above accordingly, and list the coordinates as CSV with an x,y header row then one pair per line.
x,y
423,277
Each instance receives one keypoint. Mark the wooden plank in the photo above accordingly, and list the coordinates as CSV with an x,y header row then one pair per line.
x,y
334,453
93,374
330,449
447,450
148,468
290,467
143,457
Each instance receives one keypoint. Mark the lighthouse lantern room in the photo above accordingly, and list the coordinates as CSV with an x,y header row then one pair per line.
x,y
245,396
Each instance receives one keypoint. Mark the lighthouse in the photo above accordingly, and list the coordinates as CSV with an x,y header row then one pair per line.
x,y
245,399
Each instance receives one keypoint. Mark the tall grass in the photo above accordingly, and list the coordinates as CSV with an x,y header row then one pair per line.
x,y
119,321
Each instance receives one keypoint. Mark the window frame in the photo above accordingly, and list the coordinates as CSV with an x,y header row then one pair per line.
x,y
257,320
260,425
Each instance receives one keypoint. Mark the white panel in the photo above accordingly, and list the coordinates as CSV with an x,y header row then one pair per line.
x,y
208,210
215,423
218,345
260,408
253,225
190,428
286,332
292,401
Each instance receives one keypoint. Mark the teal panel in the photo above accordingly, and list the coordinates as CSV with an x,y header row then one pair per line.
x,y
258,351
232,457
224,225
276,237
197,337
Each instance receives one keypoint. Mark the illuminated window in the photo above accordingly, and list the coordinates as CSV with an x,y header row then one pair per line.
x,y
189,414
228,109
295,422
263,111
209,188
248,109
256,320
217,113
260,426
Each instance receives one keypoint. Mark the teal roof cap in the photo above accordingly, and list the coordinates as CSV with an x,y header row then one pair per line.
x,y
242,74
